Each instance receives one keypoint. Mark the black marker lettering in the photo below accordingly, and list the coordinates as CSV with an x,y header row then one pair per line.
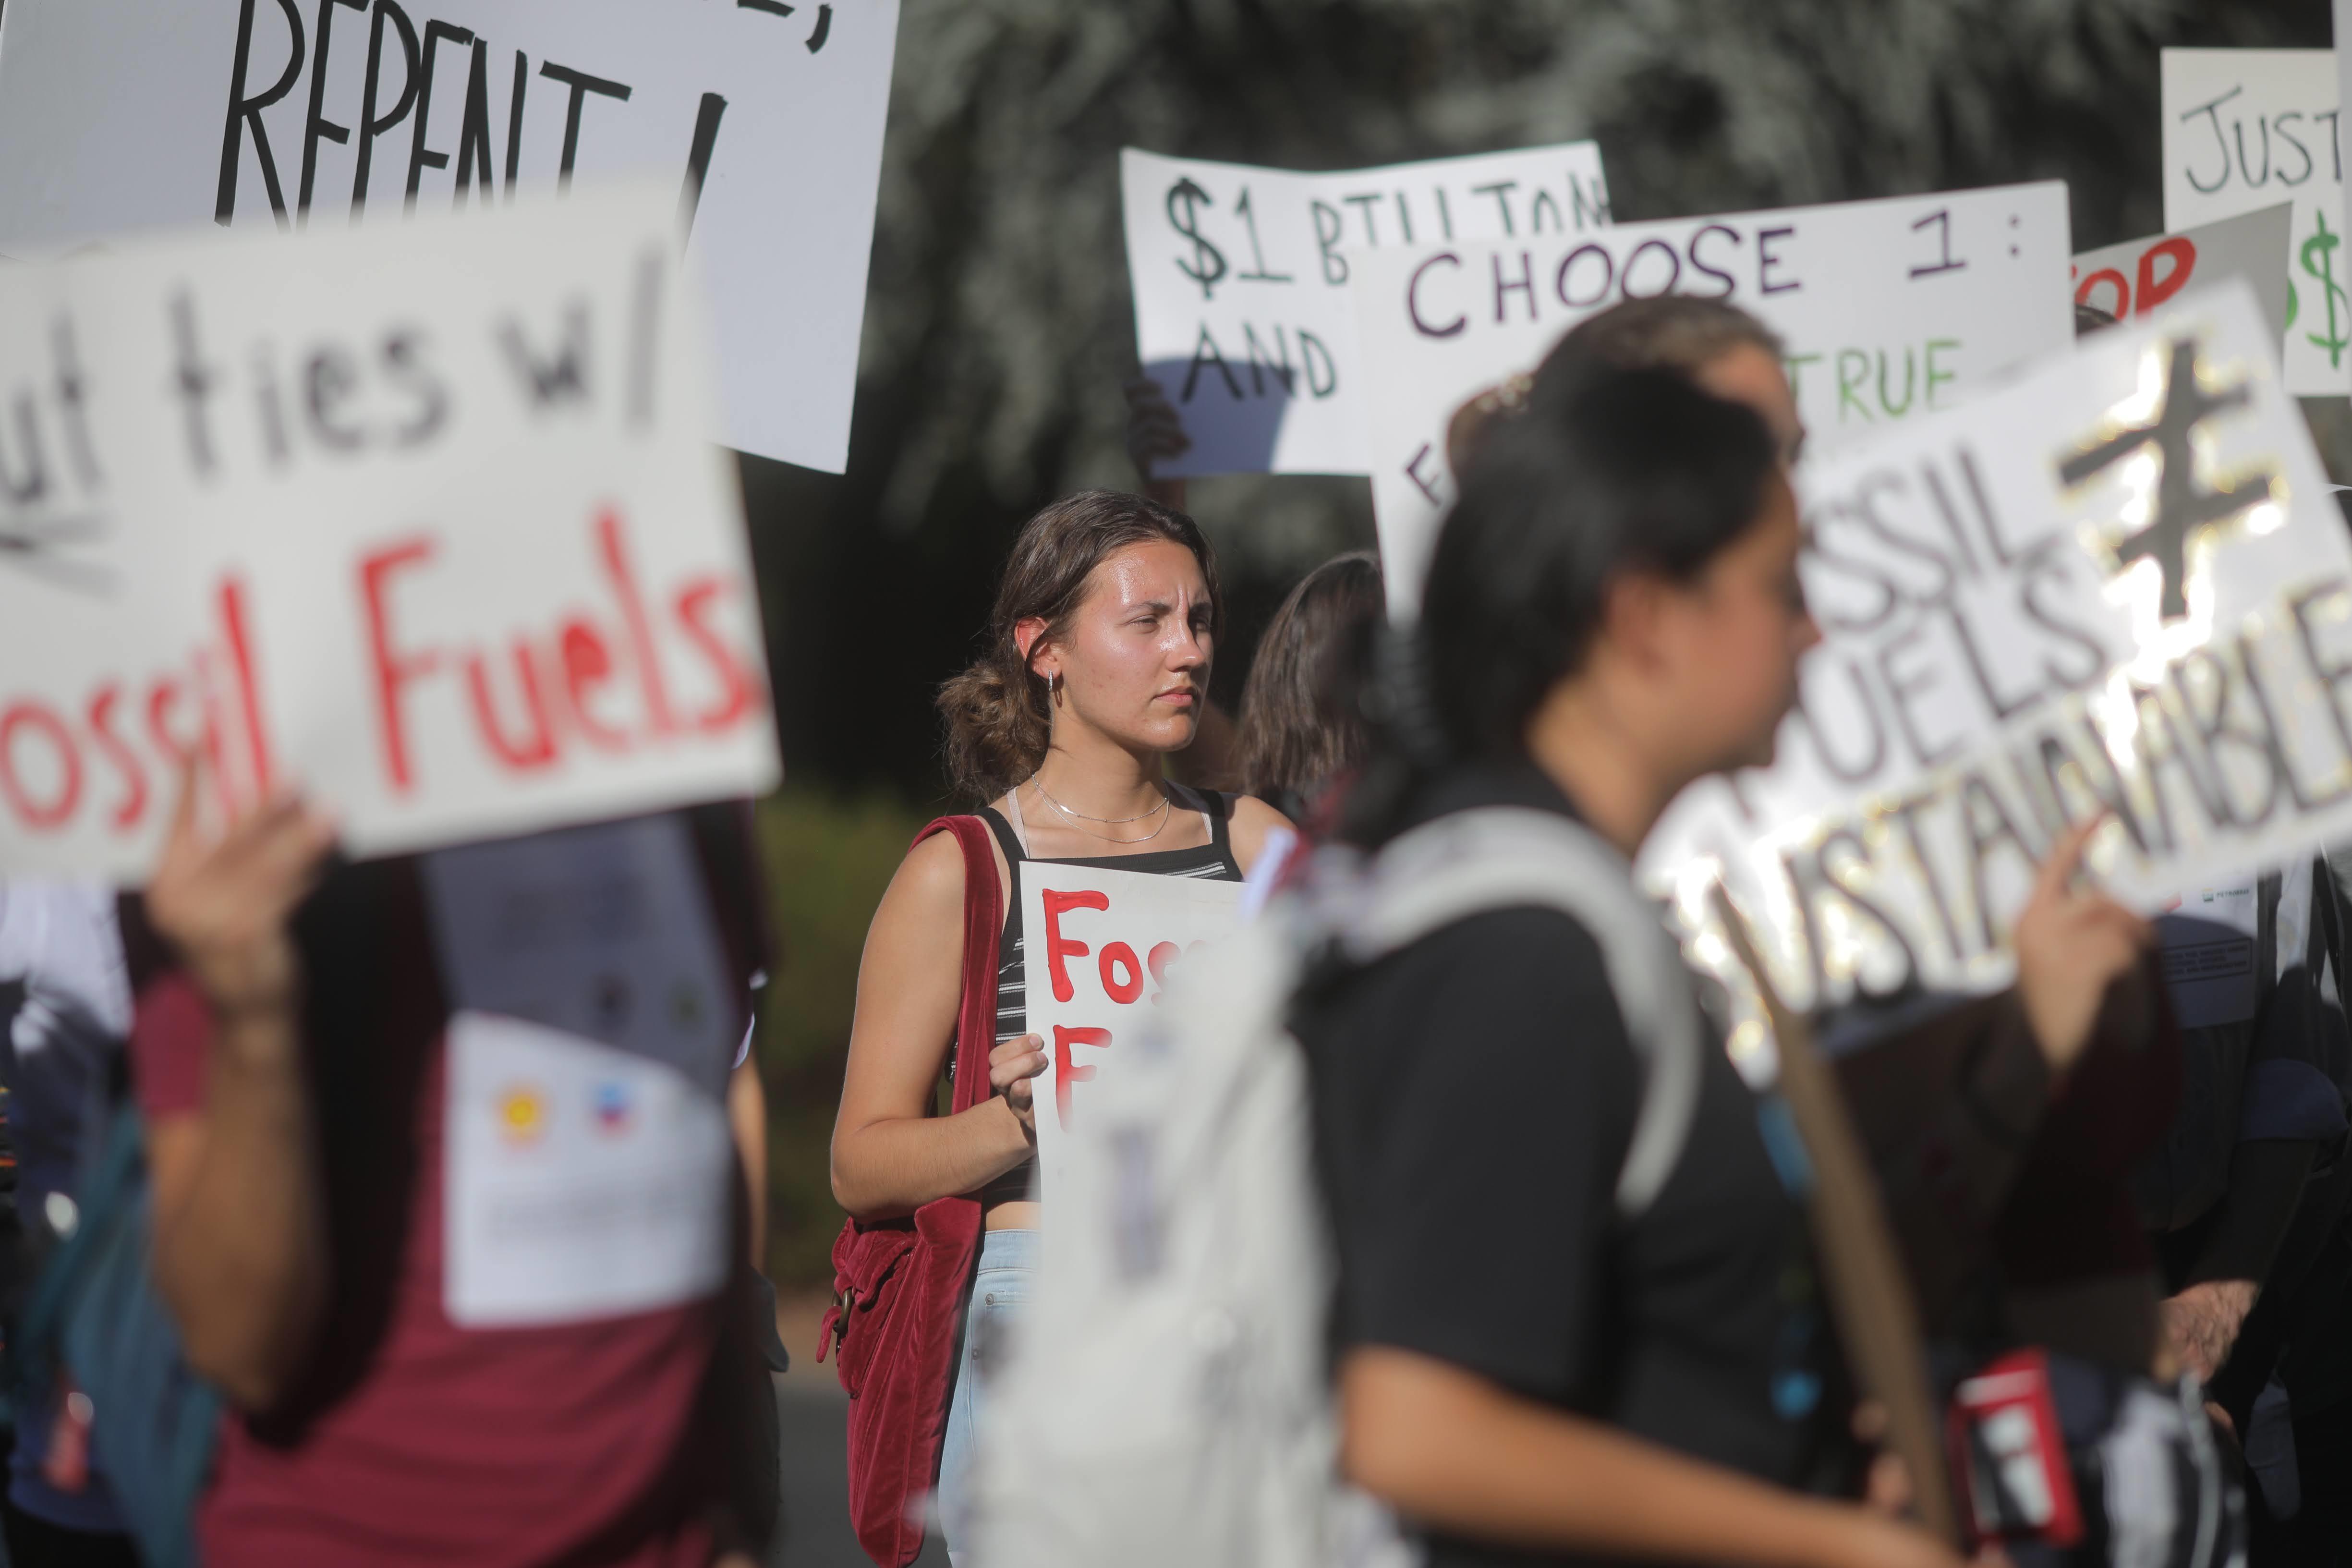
x,y
328,379
1766,260
405,367
72,395
29,486
1544,199
560,377
1205,352
270,405
1524,285
1412,472
1674,264
244,113
316,126
698,159
473,134
1904,814
193,380
2220,142
2289,139
582,84
1328,228
1284,375
1699,265
1567,266
514,119
1412,299
1310,347
372,125
1501,191
1364,206
421,157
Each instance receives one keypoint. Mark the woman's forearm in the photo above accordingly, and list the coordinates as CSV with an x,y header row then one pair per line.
x,y
1453,1452
896,1165
240,1251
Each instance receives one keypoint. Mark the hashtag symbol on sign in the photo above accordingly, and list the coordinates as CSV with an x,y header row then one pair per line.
x,y
2184,508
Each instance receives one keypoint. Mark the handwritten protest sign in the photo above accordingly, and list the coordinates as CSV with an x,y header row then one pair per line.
x,y
2133,278
1098,950
766,119
1889,309
424,519
2246,129
1241,279
2119,584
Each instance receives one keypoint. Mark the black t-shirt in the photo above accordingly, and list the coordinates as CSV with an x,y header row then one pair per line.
x,y
1474,1097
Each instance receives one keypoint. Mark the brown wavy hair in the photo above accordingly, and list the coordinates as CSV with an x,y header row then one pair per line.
x,y
1296,736
998,723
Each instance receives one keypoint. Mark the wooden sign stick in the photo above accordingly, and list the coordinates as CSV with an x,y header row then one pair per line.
x,y
1877,1319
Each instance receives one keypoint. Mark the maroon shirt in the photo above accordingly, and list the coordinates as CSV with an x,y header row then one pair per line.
x,y
407,1438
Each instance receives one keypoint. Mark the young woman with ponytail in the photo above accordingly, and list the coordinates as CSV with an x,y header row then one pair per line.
x,y
1525,1373
1094,669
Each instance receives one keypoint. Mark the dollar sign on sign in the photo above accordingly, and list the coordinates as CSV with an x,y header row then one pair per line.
x,y
2319,260
1208,263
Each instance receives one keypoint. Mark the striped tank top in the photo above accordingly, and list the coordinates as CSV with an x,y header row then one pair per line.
x,y
1212,861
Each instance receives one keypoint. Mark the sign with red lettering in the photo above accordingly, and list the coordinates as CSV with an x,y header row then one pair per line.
x,y
1241,279
2133,278
424,520
2119,586
1887,309
2245,129
1099,948
764,119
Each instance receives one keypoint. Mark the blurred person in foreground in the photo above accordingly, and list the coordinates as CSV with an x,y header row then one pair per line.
x,y
1612,612
444,1194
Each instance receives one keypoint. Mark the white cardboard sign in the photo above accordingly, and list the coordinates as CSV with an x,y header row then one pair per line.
x,y
1240,279
2119,584
422,517
2135,277
765,118
1889,309
1098,946
2247,129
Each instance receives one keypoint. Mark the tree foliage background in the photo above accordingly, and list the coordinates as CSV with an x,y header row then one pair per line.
x,y
998,326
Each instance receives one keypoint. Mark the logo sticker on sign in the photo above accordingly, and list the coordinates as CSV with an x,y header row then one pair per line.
x,y
585,1141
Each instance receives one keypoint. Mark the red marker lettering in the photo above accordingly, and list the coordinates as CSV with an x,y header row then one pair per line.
x,y
737,686
118,752
33,717
1119,955
1059,948
240,649
633,614
1066,1073
2181,252
393,671
1156,961
587,665
536,749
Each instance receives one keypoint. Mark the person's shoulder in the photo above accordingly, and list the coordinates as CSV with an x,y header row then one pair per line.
x,y
1253,819
932,871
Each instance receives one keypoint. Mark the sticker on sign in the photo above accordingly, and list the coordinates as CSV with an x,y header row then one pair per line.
x,y
1887,311
1241,279
422,517
2117,586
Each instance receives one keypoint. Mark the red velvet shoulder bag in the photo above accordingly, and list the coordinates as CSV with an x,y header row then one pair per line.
x,y
898,1283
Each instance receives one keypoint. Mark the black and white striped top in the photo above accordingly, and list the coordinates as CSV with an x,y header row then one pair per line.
x,y
1212,861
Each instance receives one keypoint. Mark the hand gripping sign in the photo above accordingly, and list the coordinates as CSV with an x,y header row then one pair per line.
x,y
2133,278
763,118
2118,587
1241,279
424,519
1888,309
2247,129
1098,946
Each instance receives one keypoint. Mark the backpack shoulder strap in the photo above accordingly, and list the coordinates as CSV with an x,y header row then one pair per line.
x,y
1497,857
984,926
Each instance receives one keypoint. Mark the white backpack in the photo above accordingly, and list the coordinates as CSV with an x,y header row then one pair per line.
x,y
1165,1401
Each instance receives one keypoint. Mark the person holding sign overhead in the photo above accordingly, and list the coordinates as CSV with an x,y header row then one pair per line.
x,y
1094,669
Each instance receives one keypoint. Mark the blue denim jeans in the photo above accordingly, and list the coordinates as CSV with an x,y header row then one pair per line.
x,y
998,1289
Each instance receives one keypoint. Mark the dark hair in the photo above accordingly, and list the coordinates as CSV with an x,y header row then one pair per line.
x,y
1680,333
998,722
1608,472
1295,736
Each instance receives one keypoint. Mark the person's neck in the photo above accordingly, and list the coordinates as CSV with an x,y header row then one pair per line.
x,y
1577,738
1097,777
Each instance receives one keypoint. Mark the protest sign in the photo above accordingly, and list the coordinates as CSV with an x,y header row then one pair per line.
x,y
766,119
1099,947
1241,279
1888,310
2133,278
422,518
2119,585
2246,129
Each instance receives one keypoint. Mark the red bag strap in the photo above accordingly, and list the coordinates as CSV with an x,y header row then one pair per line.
x,y
983,931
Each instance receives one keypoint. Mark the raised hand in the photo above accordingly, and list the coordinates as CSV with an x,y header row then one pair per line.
x,y
2072,944
1155,432
222,900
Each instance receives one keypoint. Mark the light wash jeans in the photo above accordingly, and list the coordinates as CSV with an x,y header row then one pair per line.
x,y
998,1289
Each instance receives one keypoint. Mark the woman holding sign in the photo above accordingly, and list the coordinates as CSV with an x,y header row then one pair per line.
x,y
1533,1367
1094,669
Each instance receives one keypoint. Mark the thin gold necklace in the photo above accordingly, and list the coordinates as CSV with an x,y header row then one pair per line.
x,y
1077,818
